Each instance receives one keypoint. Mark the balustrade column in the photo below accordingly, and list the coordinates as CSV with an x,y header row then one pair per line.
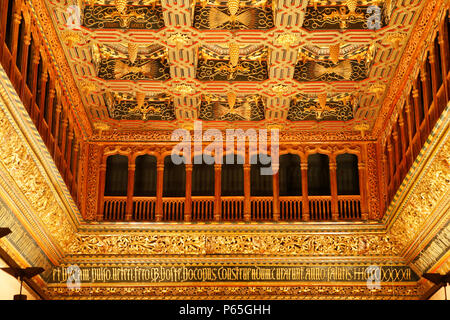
x,y
76,148
217,191
130,190
432,60
276,193
63,144
305,201
410,128
247,204
362,173
68,154
333,185
424,76
416,109
41,97
101,191
385,183
396,150
401,123
51,97
390,159
24,65
188,197
443,46
159,191
17,17
35,64
57,133
3,15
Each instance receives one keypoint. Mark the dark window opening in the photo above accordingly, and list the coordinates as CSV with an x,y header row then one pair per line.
x,y
232,180
290,178
347,174
318,175
174,178
116,180
202,177
261,182
145,176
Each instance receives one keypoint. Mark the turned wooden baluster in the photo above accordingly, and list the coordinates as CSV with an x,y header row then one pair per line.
x,y
333,185
188,198
443,45
397,155
25,53
130,189
276,192
56,128
41,96
247,204
50,101
101,191
35,63
362,173
3,18
410,128
434,71
391,166
63,143
385,163
403,138
426,99
417,105
17,17
159,190
68,154
76,149
217,191
305,201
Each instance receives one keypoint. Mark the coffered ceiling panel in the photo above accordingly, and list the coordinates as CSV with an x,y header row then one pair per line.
x,y
312,65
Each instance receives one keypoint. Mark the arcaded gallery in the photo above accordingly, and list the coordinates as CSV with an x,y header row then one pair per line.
x,y
224,149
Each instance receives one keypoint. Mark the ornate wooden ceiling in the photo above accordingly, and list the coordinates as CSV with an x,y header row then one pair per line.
x,y
305,65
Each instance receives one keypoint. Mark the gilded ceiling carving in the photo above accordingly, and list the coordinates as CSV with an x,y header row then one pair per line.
x,y
136,101
135,17
218,76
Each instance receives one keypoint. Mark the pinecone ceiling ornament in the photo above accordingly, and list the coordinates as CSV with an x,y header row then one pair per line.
x,y
233,7
322,100
334,52
351,5
140,99
231,97
132,51
121,6
234,53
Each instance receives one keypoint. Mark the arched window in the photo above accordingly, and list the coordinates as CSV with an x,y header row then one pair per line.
x,y
290,178
260,184
232,177
145,176
116,179
318,175
347,174
203,176
174,178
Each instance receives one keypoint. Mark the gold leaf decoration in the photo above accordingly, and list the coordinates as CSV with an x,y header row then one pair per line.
x,y
132,51
334,52
234,53
121,6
